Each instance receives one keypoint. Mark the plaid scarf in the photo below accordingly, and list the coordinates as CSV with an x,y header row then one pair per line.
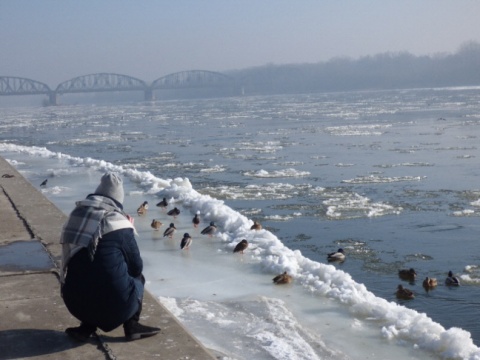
x,y
89,221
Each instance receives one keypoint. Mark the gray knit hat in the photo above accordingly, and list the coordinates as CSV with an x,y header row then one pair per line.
x,y
111,185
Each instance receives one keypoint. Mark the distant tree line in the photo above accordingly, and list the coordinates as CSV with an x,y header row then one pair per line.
x,y
383,71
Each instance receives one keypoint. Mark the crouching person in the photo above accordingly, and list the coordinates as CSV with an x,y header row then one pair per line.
x,y
102,281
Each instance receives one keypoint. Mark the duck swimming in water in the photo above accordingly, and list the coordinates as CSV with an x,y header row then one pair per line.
x,y
283,278
169,231
186,241
338,255
452,280
429,283
142,210
210,229
407,274
241,246
404,293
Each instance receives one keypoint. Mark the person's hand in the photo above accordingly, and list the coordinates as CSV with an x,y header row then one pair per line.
x,y
131,219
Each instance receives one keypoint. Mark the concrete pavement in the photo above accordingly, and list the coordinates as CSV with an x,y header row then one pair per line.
x,y
33,317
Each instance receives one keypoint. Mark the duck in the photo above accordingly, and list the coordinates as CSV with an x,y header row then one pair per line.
x,y
163,203
404,293
407,274
256,226
142,209
241,246
196,220
174,212
169,231
156,224
210,229
452,280
429,282
338,255
44,182
283,278
186,241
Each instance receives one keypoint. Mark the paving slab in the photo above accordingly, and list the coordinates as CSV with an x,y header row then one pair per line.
x,y
34,319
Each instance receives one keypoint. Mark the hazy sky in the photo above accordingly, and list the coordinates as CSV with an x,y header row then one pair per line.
x,y
55,40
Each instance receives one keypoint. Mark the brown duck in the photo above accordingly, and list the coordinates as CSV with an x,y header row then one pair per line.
x,y
156,224
404,293
241,246
283,278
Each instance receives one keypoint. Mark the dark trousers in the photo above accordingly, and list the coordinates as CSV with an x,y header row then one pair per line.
x,y
130,322
136,317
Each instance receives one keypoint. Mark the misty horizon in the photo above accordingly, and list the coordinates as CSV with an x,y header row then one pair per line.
x,y
461,47
378,72
53,41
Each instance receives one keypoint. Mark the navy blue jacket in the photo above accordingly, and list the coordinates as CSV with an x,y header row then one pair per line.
x,y
108,291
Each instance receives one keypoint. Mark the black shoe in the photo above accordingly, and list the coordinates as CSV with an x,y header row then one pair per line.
x,y
135,331
81,333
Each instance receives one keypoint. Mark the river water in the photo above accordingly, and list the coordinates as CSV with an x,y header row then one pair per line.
x,y
389,176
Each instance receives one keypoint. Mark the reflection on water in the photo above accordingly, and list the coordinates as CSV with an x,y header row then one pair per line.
x,y
24,255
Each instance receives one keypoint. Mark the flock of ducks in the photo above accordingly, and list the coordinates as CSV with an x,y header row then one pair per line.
x,y
404,274
210,230
429,283
187,240
284,278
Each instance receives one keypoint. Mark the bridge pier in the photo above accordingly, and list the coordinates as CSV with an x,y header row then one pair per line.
x,y
149,95
52,98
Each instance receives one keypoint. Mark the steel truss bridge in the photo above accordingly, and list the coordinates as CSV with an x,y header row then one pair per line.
x,y
101,82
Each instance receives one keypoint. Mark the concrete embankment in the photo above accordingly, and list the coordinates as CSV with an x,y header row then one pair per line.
x,y
33,315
